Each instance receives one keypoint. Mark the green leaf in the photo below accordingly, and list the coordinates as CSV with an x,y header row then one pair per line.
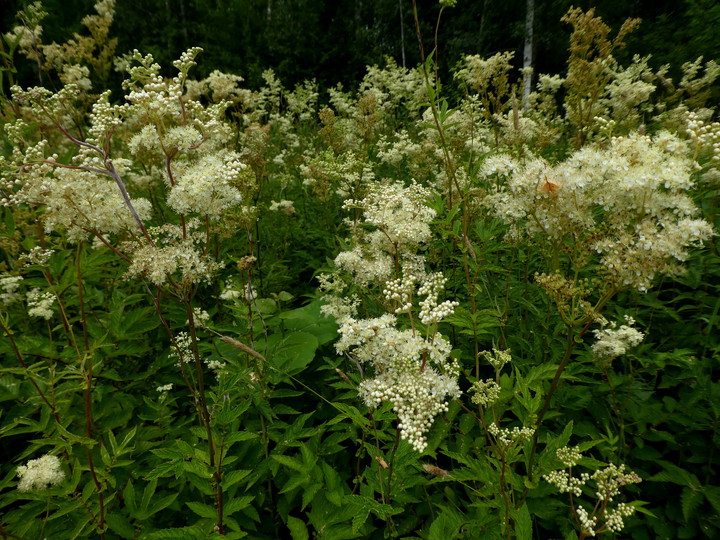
x,y
161,504
203,510
129,497
236,504
120,525
289,462
690,500
523,523
183,533
148,492
294,352
298,530
446,525
713,495
310,320
233,477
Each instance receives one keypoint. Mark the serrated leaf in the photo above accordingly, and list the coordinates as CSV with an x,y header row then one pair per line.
x,y
239,436
236,504
233,477
289,462
523,523
148,492
120,526
689,501
297,528
161,504
203,510
183,533
446,525
129,497
713,495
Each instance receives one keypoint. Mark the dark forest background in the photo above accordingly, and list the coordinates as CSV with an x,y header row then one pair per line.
x,y
334,40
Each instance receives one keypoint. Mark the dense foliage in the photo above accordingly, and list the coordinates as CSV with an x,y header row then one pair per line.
x,y
373,313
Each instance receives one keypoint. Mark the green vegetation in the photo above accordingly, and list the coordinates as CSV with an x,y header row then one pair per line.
x,y
254,311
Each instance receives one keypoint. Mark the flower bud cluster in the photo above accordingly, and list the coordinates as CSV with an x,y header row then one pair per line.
x,y
507,436
485,393
432,312
608,482
704,135
497,358
566,483
570,456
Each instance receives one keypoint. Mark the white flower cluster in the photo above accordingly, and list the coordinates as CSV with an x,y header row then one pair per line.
x,y
40,304
627,202
36,255
183,352
417,397
608,482
206,187
628,89
412,371
587,522
9,286
613,342
395,86
40,473
399,213
174,252
329,173
610,479
79,201
614,517
284,206
507,436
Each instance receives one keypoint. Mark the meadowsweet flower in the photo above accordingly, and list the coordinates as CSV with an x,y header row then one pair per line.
x,y
206,187
183,352
613,342
627,203
36,255
9,286
40,473
284,206
40,304
173,253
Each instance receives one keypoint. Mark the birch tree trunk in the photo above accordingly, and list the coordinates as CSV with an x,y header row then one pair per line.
x,y
402,33
528,49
